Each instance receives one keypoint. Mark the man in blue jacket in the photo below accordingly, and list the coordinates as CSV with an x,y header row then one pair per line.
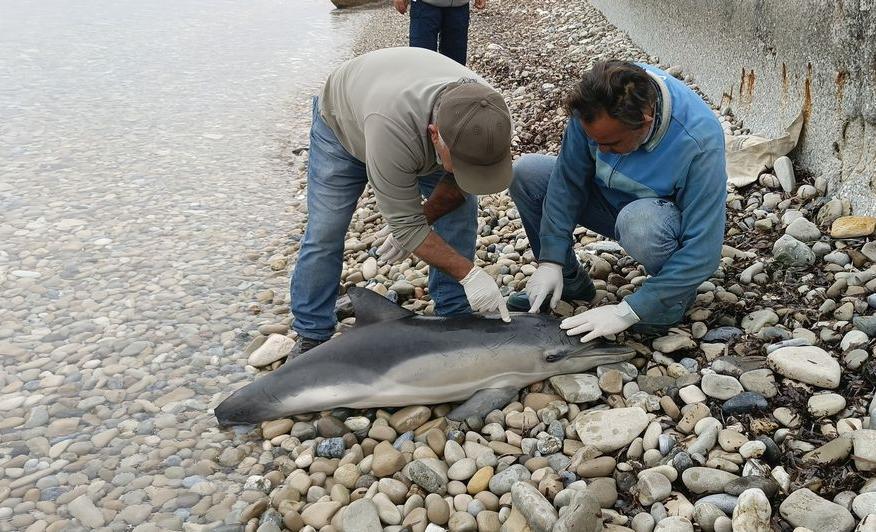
x,y
642,161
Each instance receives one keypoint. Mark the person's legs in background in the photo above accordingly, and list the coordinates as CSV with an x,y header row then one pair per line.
x,y
453,38
425,25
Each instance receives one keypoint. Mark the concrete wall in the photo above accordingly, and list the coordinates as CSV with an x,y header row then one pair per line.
x,y
767,60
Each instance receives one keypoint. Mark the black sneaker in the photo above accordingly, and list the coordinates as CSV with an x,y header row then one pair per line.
x,y
302,346
578,287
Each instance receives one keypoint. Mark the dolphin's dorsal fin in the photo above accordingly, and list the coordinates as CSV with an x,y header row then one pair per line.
x,y
371,307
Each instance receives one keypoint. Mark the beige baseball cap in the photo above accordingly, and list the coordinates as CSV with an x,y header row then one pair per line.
x,y
476,126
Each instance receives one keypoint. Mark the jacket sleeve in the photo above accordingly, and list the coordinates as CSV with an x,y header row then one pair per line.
x,y
702,202
392,171
569,180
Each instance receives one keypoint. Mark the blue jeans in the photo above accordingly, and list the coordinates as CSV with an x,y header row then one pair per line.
x,y
648,229
335,181
450,23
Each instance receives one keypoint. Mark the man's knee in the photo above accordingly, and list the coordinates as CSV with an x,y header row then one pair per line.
x,y
649,230
528,179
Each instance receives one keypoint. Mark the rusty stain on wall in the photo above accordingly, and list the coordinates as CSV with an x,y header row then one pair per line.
x,y
807,94
842,77
746,86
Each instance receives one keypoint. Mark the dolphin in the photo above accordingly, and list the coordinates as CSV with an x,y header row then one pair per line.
x,y
393,357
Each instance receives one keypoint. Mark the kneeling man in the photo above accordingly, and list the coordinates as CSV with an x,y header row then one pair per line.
x,y
642,161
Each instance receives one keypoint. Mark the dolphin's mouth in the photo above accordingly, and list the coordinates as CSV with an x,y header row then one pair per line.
x,y
592,348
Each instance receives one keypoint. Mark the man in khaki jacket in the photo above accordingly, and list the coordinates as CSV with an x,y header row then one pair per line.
x,y
413,124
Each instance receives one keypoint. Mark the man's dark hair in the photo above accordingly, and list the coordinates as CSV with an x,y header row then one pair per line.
x,y
621,90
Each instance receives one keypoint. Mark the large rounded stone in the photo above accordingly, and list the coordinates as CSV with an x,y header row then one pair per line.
x,y
703,480
538,511
753,512
610,430
808,364
803,508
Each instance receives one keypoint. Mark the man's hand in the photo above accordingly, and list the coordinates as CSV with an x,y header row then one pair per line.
x,y
546,281
601,321
483,293
390,251
480,4
402,5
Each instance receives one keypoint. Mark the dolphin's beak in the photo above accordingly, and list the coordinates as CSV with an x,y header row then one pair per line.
x,y
598,347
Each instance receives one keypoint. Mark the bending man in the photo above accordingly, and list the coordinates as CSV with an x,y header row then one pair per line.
x,y
411,123
642,162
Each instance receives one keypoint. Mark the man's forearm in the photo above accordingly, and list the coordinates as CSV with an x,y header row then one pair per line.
x,y
446,197
437,253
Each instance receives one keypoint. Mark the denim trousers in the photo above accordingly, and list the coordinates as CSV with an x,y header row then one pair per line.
x,y
440,29
335,181
648,229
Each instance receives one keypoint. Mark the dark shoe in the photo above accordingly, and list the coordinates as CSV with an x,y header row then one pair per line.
x,y
578,287
649,330
303,345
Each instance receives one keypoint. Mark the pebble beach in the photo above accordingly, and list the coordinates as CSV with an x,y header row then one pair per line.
x,y
754,414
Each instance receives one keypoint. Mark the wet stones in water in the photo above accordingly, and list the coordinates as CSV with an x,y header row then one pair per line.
x,y
331,448
744,403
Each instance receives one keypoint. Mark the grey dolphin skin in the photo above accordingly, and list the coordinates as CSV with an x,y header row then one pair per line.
x,y
394,358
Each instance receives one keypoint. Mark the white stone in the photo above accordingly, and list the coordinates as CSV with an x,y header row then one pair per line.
x,y
803,508
807,364
577,388
275,348
83,509
854,339
673,342
825,404
674,524
864,504
610,430
864,449
369,268
752,512
691,394
721,387
653,487
803,230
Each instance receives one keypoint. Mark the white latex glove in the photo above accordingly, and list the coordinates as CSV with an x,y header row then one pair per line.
x,y
483,293
601,321
390,250
547,280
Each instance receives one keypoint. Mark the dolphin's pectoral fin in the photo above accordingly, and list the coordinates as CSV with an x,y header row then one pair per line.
x,y
482,403
370,307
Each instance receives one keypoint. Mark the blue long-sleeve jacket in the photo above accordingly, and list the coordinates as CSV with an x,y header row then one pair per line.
x,y
682,162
